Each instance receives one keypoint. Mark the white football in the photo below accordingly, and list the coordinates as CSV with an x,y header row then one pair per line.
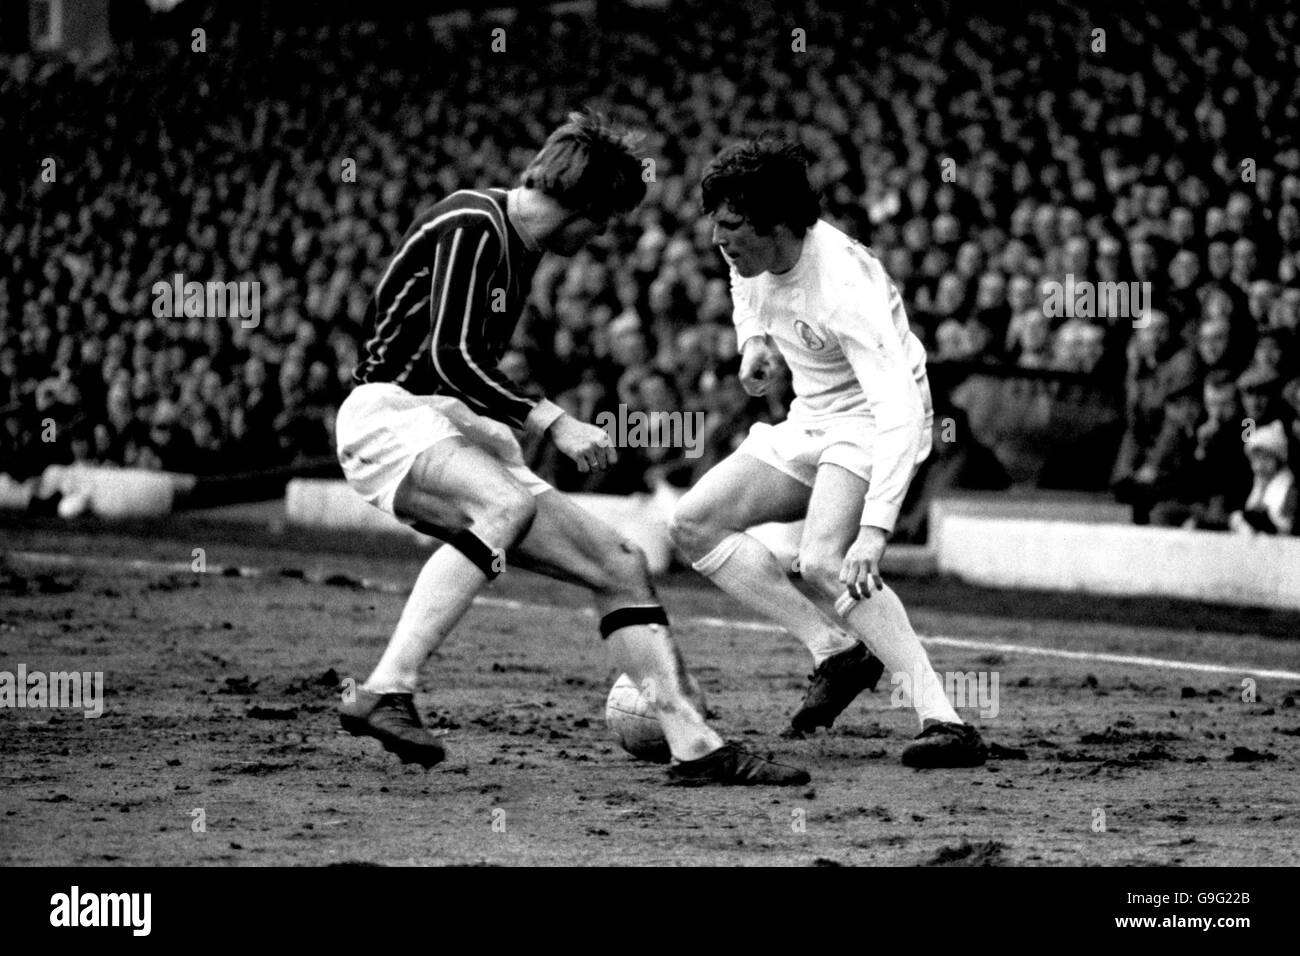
x,y
630,717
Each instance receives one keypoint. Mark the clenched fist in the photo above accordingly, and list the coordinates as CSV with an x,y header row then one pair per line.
x,y
759,364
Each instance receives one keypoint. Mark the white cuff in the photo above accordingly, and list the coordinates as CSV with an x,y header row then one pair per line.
x,y
879,514
542,417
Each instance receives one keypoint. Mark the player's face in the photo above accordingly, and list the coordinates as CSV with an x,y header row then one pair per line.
x,y
749,253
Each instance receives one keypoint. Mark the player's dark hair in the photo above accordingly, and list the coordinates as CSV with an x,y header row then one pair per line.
x,y
588,167
765,180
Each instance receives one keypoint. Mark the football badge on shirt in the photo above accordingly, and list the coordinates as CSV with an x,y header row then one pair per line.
x,y
808,336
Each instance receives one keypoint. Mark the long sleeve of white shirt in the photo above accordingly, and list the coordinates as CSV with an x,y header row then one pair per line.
x,y
743,314
880,362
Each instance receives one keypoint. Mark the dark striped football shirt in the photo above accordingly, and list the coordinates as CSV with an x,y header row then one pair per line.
x,y
447,305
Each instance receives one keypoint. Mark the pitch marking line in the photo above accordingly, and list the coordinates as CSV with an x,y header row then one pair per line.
x,y
719,623
943,641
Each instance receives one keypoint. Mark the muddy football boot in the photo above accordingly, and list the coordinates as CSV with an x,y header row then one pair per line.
x,y
942,744
732,765
391,719
835,682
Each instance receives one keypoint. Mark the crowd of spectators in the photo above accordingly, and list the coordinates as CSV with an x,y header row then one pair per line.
x,y
982,155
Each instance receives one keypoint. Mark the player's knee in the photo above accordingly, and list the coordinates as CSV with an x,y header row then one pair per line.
x,y
625,571
691,529
821,569
509,517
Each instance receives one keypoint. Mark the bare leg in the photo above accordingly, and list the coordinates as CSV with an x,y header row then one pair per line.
x,y
880,620
453,485
709,528
568,543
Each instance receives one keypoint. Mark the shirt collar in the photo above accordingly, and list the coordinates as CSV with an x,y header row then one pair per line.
x,y
512,211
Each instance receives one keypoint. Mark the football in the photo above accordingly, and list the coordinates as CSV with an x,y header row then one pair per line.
x,y
630,717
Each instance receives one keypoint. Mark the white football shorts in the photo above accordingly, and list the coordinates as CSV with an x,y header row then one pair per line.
x,y
798,448
382,428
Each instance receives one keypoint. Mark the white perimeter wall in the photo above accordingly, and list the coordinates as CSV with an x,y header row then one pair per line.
x,y
1118,559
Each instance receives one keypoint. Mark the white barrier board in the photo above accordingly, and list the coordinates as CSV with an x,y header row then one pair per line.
x,y
1220,568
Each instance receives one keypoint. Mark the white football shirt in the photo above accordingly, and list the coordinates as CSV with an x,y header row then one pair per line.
x,y
839,323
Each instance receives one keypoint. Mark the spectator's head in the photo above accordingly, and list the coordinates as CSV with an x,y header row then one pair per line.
x,y
1244,259
898,262
1266,448
1219,396
1183,403
1065,347
1262,294
1216,222
991,292
760,199
947,229
1182,226
1142,256
1070,223
1076,257
1015,255
1216,304
655,392
1271,349
1237,213
970,260
1288,225
1152,333
1185,269
1034,332
591,174
1291,396
627,344
1212,339
1258,387
514,366
950,341
1285,311
204,431
1020,293
916,235
1090,347
950,298
1218,260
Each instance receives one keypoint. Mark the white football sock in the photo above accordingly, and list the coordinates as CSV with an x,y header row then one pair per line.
x,y
442,594
647,654
743,567
882,623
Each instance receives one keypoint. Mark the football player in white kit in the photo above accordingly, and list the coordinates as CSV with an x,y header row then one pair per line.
x,y
859,426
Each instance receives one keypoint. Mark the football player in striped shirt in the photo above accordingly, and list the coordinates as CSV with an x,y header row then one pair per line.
x,y
427,435
858,427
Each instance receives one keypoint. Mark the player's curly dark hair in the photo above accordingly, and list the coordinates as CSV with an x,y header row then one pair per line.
x,y
589,167
765,180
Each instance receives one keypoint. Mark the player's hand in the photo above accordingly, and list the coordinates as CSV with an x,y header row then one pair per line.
x,y
588,446
758,366
861,568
